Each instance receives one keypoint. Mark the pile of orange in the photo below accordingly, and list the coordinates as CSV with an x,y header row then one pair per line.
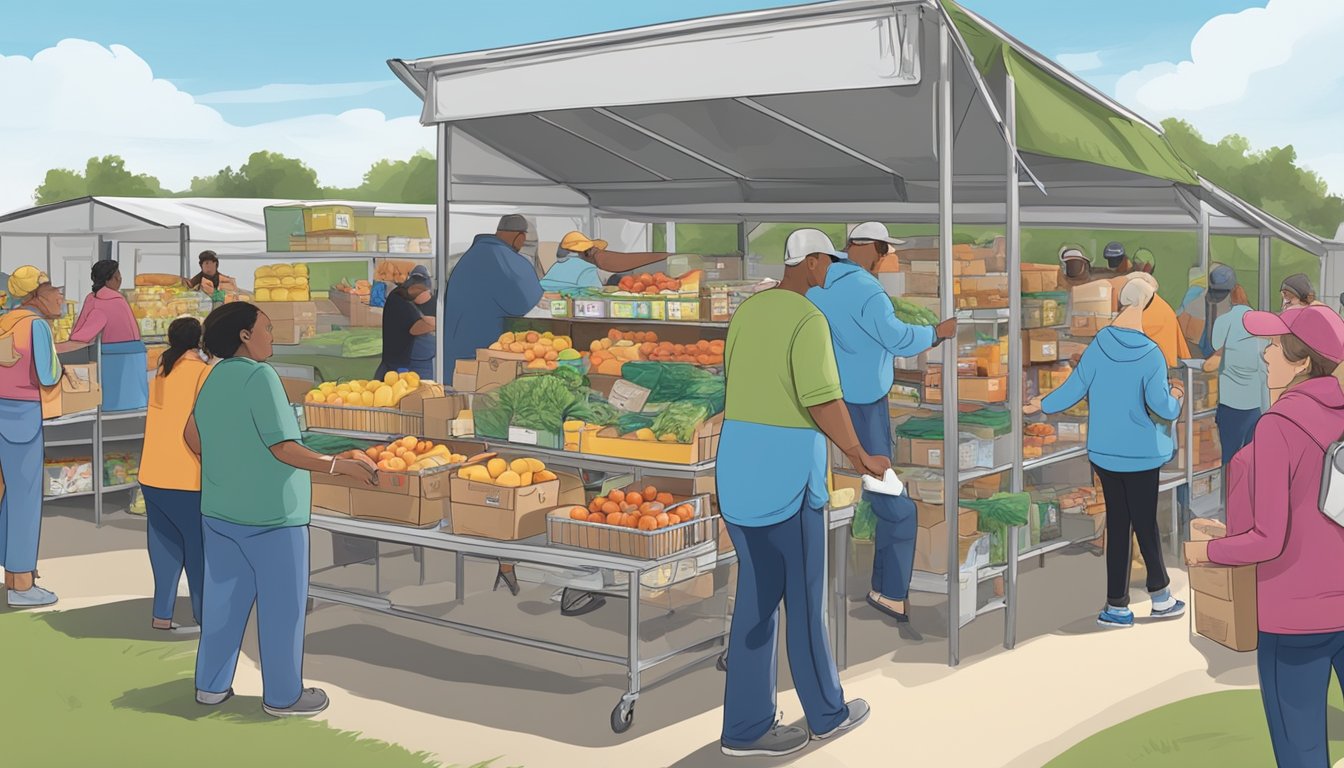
x,y
645,510
648,284
698,353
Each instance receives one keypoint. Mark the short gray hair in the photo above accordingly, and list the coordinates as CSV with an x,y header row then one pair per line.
x,y
513,222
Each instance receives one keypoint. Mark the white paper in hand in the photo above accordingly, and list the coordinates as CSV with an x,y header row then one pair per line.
x,y
889,485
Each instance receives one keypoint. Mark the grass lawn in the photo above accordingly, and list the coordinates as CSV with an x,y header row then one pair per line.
x,y
1216,730
90,687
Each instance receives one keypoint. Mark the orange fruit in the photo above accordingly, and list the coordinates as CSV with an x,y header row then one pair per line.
x,y
662,519
578,513
610,507
616,518
597,517
617,496
647,524
664,498
634,498
595,505
650,493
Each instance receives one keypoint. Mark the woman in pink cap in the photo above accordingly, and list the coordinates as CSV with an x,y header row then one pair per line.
x,y
1279,528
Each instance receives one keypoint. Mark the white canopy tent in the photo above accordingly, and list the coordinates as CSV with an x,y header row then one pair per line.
x,y
903,111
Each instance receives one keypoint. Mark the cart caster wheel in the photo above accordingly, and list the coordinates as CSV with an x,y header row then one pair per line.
x,y
623,716
721,663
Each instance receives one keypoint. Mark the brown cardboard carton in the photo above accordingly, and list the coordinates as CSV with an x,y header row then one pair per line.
x,y
296,389
919,453
1202,529
506,514
291,321
990,389
1230,623
77,391
1042,346
495,369
931,549
681,595
357,310
331,499
465,373
398,508
440,413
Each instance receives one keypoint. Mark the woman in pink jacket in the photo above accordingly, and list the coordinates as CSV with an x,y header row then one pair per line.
x,y
1298,551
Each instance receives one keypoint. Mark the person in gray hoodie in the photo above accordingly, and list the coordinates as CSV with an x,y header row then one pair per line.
x,y
1123,375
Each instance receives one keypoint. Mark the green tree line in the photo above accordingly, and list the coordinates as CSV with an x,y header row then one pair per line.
x,y
1270,179
264,175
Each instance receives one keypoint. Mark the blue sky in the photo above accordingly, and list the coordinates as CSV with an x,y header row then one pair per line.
x,y
212,49
183,88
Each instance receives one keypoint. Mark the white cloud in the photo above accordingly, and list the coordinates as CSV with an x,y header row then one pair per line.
x,y
79,99
1271,74
279,93
1080,62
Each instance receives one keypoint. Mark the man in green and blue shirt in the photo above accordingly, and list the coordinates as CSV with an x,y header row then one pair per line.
x,y
783,402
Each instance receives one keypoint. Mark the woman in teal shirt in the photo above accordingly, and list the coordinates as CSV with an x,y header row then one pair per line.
x,y
255,503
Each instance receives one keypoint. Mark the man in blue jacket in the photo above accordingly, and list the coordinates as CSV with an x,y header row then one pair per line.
x,y
491,281
868,338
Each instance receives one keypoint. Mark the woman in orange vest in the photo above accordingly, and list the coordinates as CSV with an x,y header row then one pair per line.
x,y
28,363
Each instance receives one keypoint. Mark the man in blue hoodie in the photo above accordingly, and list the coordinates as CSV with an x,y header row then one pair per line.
x,y
868,338
1123,375
491,281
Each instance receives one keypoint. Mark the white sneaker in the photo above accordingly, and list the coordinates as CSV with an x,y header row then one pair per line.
x,y
33,597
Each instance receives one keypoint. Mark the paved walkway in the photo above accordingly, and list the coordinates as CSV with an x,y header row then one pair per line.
x,y
466,699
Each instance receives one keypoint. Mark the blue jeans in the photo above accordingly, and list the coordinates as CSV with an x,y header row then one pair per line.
x,y
785,561
175,544
894,539
269,567
1235,429
1294,681
21,464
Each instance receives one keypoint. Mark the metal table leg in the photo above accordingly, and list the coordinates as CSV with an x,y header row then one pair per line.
x,y
460,576
839,614
377,570
623,716
420,556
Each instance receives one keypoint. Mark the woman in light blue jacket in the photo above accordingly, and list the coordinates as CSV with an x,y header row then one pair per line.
x,y
1123,375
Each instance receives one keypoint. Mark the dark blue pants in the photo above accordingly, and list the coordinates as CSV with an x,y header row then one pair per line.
x,y
785,561
1294,681
174,532
1235,429
894,539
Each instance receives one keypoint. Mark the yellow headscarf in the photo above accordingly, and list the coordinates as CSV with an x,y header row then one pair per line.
x,y
25,280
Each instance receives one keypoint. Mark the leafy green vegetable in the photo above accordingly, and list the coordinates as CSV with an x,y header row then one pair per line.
x,y
864,525
681,419
633,422
677,383
912,313
541,402
997,514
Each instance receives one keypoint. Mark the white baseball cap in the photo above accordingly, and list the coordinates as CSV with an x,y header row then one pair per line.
x,y
872,230
805,242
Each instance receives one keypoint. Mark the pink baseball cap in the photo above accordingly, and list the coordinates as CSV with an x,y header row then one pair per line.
x,y
1318,327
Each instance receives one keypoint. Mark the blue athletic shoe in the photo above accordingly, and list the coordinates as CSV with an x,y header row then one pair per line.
x,y
1175,610
1112,618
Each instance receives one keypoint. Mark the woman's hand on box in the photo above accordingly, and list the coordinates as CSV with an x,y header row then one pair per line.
x,y
1197,553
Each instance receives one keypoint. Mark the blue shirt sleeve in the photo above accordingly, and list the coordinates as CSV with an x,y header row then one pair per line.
x,y
899,338
1073,390
518,288
44,355
1157,390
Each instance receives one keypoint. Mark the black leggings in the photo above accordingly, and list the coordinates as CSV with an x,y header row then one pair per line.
x,y
1131,506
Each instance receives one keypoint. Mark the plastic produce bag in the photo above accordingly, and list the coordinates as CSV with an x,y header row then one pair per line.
x,y
997,514
378,294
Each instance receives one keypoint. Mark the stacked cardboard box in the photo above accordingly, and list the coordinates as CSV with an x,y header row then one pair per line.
x,y
1207,452
1091,307
931,538
1225,598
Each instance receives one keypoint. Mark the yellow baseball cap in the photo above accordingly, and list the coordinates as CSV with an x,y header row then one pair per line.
x,y
577,242
25,280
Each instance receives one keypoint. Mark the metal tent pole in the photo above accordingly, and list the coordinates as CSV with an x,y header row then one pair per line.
x,y
445,191
1012,244
670,236
948,306
1265,300
184,251
98,460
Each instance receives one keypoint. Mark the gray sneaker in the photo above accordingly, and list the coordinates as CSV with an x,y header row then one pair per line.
x,y
208,699
311,702
780,740
858,712
33,597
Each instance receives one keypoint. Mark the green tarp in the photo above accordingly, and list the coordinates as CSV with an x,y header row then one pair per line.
x,y
1057,120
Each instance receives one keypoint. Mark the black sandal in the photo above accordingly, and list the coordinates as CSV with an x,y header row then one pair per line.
x,y
576,603
509,579
892,612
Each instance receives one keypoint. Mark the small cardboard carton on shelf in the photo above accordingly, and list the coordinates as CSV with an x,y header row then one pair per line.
x,y
1225,597
444,417
77,391
296,389
291,321
356,309
931,539
704,445
1042,345
495,368
504,514
416,500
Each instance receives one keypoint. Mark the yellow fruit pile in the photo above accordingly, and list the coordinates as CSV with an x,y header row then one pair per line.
x,y
515,474
282,282
542,351
387,393
410,454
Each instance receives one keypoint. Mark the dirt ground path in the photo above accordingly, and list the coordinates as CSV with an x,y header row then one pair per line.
x,y
999,708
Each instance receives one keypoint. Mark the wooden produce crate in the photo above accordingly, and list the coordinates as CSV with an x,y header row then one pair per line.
x,y
349,418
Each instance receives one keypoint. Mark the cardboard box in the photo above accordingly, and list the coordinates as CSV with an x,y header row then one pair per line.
x,y
931,548
1230,623
495,369
608,442
921,283
1087,326
291,321
441,416
356,310
991,389
85,394
296,389
1206,530
680,595
504,514
332,499
465,374
919,453
419,500
1042,346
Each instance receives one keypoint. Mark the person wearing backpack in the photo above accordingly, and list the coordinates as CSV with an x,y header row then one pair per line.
x,y
1280,528
28,364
